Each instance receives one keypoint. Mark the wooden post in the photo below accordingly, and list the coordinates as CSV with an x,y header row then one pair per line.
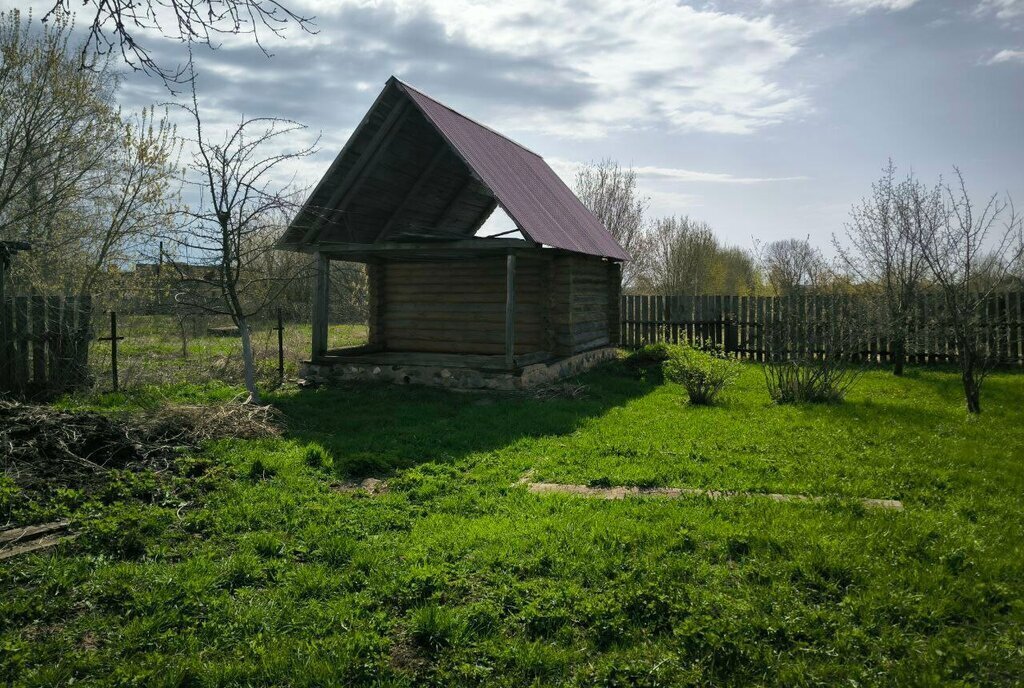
x,y
113,339
376,277
22,340
321,284
280,345
113,348
614,303
53,339
81,336
510,310
38,339
8,354
732,333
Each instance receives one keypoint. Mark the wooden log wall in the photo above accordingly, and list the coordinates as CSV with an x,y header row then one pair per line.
x,y
458,306
580,301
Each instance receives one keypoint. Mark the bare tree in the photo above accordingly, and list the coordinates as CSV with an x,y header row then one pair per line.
x,y
136,201
970,252
681,256
790,264
116,27
610,192
239,200
883,252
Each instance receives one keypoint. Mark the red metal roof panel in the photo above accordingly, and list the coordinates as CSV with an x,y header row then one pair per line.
x,y
536,199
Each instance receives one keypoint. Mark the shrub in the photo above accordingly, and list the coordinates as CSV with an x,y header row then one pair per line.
x,y
704,373
808,380
650,355
811,356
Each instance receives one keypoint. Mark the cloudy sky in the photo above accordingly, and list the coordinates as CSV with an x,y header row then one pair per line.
x,y
767,118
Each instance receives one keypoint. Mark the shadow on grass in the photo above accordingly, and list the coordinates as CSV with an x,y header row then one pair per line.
x,y
1000,390
374,428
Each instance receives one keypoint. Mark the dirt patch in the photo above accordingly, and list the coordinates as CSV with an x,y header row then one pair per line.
x,y
372,486
621,492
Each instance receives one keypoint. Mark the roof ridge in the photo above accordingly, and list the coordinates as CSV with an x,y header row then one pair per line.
x,y
470,119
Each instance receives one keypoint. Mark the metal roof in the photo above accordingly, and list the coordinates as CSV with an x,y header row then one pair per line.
x,y
529,191
355,198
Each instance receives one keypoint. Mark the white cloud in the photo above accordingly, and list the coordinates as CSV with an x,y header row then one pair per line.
x,y
865,5
566,169
640,63
1002,9
1007,56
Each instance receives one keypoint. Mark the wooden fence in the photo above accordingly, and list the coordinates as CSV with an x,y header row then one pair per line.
x,y
44,343
750,326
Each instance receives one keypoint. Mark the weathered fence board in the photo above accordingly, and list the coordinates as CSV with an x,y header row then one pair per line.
x,y
44,342
801,324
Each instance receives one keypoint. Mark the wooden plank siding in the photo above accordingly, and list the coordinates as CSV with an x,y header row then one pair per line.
x,y
44,343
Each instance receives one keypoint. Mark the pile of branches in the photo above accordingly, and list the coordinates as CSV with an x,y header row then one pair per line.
x,y
190,426
42,448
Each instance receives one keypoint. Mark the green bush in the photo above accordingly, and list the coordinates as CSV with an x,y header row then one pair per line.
x,y
807,380
704,373
650,355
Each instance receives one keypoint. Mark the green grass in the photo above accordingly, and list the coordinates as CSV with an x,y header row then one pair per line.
x,y
455,576
152,353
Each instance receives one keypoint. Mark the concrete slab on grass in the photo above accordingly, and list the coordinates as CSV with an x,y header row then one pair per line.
x,y
622,492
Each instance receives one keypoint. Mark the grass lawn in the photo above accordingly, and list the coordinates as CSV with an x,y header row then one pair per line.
x,y
456,576
152,352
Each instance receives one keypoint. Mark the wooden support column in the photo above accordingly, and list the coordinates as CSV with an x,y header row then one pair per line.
x,y
510,310
321,290
375,278
614,297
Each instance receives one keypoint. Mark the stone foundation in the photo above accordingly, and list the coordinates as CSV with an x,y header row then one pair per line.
x,y
454,376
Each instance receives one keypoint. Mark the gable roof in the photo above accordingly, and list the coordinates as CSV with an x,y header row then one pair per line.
x,y
486,168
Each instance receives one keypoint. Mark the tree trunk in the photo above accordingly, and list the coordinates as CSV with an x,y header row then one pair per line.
x,y
899,356
972,390
250,368
184,337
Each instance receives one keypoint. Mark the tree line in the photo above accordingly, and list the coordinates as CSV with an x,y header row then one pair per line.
x,y
904,239
680,254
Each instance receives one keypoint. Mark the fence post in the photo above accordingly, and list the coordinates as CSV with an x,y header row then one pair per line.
x,y
7,344
38,340
113,348
280,345
732,333
21,340
113,339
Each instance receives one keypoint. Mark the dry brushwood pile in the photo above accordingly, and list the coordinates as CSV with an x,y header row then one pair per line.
x,y
43,448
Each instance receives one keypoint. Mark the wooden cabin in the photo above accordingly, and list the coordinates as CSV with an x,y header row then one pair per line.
x,y
407,196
